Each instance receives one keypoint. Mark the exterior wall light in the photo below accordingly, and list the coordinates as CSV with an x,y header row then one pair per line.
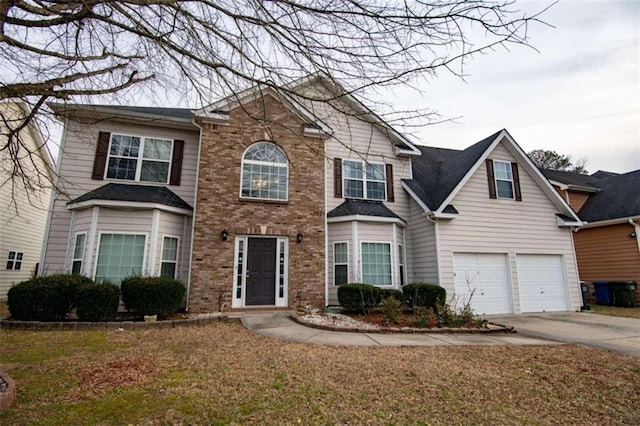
x,y
299,237
224,234
632,235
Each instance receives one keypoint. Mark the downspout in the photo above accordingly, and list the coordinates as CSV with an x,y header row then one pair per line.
x,y
193,217
636,226
431,219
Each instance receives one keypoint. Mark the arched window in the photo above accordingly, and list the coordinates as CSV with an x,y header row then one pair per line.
x,y
264,172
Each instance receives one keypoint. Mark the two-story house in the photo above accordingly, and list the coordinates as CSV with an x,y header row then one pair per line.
x,y
25,202
267,200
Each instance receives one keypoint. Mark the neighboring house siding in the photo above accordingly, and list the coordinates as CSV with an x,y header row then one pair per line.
x,y
24,211
608,253
505,226
76,168
422,252
577,199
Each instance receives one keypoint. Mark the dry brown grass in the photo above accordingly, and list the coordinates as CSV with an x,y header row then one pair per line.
x,y
616,311
224,374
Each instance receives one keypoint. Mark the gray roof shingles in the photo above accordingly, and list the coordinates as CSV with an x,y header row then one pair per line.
x,y
569,178
135,193
439,170
619,197
352,207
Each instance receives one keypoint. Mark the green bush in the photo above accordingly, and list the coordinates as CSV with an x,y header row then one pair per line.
x,y
98,302
391,309
45,298
422,294
358,297
391,292
152,295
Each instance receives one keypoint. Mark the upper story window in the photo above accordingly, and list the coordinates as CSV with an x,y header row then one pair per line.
x,y
504,179
139,159
264,172
364,180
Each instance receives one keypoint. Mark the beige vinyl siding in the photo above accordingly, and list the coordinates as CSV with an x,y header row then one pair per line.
x,y
174,225
76,168
24,210
505,226
339,233
608,253
421,250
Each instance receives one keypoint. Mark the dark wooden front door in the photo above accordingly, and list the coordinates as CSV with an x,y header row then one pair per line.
x,y
261,272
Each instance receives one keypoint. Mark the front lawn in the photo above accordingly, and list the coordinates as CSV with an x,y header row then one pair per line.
x,y
223,373
616,311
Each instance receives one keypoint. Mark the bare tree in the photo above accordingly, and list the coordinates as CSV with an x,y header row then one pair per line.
x,y
202,50
551,160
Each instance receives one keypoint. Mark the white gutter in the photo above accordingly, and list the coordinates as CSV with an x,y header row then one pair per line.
x,y
436,233
636,226
610,222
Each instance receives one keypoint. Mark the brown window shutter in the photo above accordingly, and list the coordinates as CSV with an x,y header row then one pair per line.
x,y
337,177
176,162
490,179
389,174
100,160
516,181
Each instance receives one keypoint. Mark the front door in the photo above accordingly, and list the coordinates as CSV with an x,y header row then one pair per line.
x,y
261,271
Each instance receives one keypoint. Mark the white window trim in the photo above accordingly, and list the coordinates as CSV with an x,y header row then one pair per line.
x,y
14,260
73,251
495,179
264,163
391,249
364,179
162,253
402,276
139,158
334,261
239,302
97,249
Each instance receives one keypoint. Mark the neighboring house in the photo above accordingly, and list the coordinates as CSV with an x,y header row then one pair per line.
x,y
264,200
608,245
24,208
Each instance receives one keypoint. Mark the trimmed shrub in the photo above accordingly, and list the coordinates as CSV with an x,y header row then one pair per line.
x,y
422,294
46,298
152,295
391,309
98,302
358,297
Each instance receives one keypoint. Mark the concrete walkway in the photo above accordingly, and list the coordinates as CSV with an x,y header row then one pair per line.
x,y
599,331
281,326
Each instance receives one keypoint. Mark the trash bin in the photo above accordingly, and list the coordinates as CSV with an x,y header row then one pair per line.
x,y
624,293
603,292
584,289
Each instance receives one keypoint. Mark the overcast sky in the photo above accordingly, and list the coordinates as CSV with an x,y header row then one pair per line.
x,y
579,95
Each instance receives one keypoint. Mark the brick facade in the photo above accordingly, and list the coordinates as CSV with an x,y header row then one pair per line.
x,y
219,205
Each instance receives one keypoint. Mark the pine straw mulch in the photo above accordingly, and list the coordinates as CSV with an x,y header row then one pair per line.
x,y
224,374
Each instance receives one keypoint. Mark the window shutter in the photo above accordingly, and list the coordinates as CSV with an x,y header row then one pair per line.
x,y
490,179
176,162
516,181
389,174
337,177
100,160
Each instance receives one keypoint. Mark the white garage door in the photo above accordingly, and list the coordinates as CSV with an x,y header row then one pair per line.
x,y
542,283
484,278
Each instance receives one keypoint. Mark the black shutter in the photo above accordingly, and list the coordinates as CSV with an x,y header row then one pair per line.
x,y
100,160
176,162
516,181
337,177
389,175
490,179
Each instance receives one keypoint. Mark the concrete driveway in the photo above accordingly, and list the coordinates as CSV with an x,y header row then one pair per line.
x,y
599,331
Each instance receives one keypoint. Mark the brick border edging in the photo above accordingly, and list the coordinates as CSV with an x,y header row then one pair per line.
x,y
124,325
502,329
9,394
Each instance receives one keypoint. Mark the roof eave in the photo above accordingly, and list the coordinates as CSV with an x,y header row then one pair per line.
x,y
127,204
364,218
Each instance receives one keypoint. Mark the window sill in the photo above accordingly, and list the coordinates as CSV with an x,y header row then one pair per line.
x,y
262,200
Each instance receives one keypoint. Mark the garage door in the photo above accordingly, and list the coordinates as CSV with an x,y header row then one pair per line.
x,y
542,283
484,278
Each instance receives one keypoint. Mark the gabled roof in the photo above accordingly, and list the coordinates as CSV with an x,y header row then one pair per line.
x,y
569,178
439,174
619,197
352,207
122,192
603,174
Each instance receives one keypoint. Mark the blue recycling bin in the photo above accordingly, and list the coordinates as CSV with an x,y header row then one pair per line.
x,y
603,292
